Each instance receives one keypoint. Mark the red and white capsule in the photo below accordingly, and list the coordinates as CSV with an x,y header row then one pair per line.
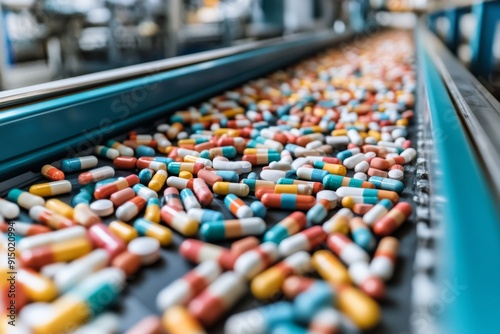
x,y
346,249
256,260
306,240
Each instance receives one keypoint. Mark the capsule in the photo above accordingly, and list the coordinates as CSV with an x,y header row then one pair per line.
x,y
260,320
384,260
143,163
268,283
346,249
152,212
318,212
52,173
50,218
237,207
230,229
334,182
299,189
225,188
311,174
326,321
262,158
57,206
124,150
318,296
380,194
158,180
144,192
360,308
25,229
288,201
189,199
198,251
63,251
217,298
330,268
123,231
108,189
306,240
393,219
83,301
125,162
178,320
8,209
314,186
387,184
37,287
342,155
172,198
287,227
176,167
361,234
76,164
179,220
225,151
330,168
338,223
51,188
97,174
101,237
256,260
106,152
131,208
156,231
377,212
370,284
254,184
210,177
203,194
128,262
185,175
49,238
76,271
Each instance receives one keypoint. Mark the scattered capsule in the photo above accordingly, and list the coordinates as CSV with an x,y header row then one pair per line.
x,y
306,240
334,182
380,194
106,152
37,287
158,180
318,296
330,268
57,206
131,208
156,231
8,209
237,206
287,227
360,308
217,298
393,219
198,251
51,188
361,234
172,198
258,209
124,150
46,239
76,164
384,260
121,196
50,218
346,249
107,190
179,220
97,174
260,320
377,212
230,229
189,199
311,174
225,188
339,223
288,201
318,212
202,192
144,192
122,230
152,212
178,320
370,284
268,283
52,173
125,162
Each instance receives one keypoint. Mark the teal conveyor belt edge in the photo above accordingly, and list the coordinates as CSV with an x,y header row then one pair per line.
x,y
470,225
89,116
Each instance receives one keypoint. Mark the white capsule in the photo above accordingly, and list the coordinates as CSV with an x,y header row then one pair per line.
x,y
51,270
352,253
409,154
326,320
351,162
8,209
146,192
127,211
255,261
81,268
370,140
182,290
111,153
299,162
293,244
182,152
385,136
284,166
314,145
362,167
246,166
234,166
177,182
337,141
272,175
44,239
355,137
359,272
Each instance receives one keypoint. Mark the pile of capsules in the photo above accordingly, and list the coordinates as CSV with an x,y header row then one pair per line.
x,y
286,143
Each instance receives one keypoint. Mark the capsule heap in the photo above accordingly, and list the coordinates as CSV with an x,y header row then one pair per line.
x,y
323,143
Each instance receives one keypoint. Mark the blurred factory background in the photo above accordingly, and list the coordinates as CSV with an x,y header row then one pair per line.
x,y
46,40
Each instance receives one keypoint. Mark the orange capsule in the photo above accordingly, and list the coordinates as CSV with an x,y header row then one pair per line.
x,y
288,201
393,219
52,173
123,162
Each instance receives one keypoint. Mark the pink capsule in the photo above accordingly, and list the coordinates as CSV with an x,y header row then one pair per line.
x,y
306,240
101,237
204,195
198,251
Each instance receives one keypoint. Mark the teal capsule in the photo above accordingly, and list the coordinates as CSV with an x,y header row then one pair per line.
x,y
205,215
88,188
76,164
317,213
105,181
221,230
253,176
164,160
362,235
292,148
291,174
144,151
290,225
258,209
342,155
387,184
252,143
82,197
333,182
228,176
318,296
285,180
225,151
145,175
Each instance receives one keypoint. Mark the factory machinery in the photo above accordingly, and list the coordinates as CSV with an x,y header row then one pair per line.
x,y
447,277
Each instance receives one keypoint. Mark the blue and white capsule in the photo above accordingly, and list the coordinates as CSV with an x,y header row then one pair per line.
x,y
189,200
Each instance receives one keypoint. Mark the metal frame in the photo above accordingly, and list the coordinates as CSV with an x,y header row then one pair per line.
x,y
51,129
